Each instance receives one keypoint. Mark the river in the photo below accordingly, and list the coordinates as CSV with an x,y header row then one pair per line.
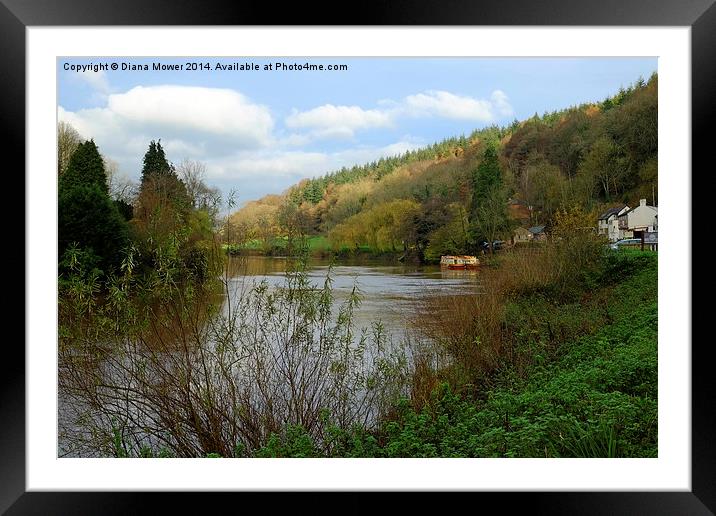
x,y
388,292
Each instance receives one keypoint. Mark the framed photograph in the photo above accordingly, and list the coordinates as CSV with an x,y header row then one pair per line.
x,y
411,253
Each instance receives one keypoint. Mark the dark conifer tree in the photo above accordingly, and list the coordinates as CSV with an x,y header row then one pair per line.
x,y
87,217
155,161
487,176
86,167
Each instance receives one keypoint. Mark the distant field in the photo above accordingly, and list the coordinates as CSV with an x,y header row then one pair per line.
x,y
316,244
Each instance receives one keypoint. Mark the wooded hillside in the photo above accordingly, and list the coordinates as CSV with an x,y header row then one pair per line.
x,y
449,197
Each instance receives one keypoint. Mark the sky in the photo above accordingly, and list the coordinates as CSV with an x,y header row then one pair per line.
x,y
260,130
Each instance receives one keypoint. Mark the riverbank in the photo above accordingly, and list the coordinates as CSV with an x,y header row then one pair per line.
x,y
317,246
581,381
545,355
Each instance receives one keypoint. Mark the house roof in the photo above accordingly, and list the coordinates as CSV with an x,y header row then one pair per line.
x,y
536,229
640,206
612,211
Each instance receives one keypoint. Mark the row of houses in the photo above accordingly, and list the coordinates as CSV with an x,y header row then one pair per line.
x,y
617,223
622,221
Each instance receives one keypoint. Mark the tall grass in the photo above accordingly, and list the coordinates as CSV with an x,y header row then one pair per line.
x,y
473,330
594,396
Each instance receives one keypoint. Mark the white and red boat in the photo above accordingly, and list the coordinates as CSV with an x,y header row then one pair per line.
x,y
459,262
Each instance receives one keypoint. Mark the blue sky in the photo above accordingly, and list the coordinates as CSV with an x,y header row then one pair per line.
x,y
260,131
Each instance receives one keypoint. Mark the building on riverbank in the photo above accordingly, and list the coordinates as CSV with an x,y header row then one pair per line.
x,y
521,235
608,222
638,220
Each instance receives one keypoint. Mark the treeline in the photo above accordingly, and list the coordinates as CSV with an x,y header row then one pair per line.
x,y
107,225
593,154
456,194
313,190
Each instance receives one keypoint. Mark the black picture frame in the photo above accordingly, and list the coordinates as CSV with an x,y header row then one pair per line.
x,y
16,15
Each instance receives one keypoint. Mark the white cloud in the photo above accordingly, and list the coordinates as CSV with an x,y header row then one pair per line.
x,y
338,121
444,104
175,147
292,164
294,140
209,110
97,123
329,121
295,165
192,123
178,110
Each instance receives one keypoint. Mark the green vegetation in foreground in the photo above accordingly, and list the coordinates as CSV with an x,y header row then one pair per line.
x,y
593,395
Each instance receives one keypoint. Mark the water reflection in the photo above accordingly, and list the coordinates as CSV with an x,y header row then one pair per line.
x,y
388,291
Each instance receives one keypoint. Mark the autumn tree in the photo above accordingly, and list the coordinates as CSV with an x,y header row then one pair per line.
x,y
649,181
167,225
604,164
491,218
545,187
384,227
163,205
451,237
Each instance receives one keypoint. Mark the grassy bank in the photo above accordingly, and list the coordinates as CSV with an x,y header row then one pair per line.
x,y
575,379
589,390
315,245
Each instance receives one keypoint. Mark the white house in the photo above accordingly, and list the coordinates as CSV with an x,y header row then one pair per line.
x,y
608,223
633,222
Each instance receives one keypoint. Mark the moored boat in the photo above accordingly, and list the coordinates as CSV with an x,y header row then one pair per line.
x,y
459,262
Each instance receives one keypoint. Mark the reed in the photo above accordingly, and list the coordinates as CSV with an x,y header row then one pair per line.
x,y
472,329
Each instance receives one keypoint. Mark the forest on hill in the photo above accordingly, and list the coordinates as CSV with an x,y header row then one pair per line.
x,y
451,196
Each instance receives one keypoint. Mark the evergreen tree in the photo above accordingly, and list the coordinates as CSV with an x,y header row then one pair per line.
x,y
487,176
86,167
87,217
159,176
155,162
489,200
